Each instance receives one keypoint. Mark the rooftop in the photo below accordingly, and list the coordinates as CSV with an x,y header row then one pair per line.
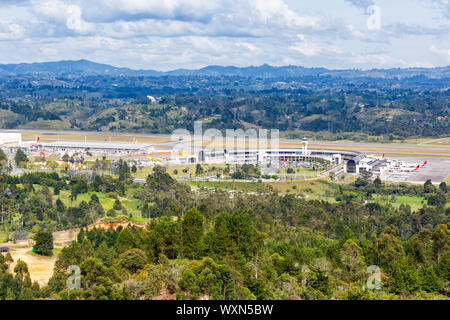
x,y
96,145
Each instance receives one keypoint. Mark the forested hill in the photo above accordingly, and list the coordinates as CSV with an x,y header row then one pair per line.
x,y
326,104
86,67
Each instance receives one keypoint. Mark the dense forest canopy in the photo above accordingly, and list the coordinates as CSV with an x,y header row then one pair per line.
x,y
347,105
206,245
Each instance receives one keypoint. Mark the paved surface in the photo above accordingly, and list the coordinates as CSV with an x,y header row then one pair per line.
x,y
404,149
437,169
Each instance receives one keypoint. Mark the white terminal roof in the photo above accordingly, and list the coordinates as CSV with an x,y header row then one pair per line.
x,y
96,145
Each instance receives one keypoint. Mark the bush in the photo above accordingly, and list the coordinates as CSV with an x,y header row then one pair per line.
x,y
111,213
133,260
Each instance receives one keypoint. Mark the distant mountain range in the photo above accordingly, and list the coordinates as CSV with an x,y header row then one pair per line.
x,y
86,67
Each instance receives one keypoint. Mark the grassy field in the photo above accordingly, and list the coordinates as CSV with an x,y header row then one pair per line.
x,y
313,188
131,205
229,185
216,168
142,173
437,142
413,201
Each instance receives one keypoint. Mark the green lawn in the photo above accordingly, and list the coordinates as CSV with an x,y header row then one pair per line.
x,y
142,173
243,186
131,205
413,201
313,188
300,172
56,252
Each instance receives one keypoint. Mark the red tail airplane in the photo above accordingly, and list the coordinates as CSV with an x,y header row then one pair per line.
x,y
39,138
417,168
425,163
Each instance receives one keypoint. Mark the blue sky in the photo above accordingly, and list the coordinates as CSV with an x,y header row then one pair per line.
x,y
170,34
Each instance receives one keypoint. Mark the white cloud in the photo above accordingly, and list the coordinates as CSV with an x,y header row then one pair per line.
x,y
63,14
11,31
443,5
445,53
129,10
381,60
306,47
167,34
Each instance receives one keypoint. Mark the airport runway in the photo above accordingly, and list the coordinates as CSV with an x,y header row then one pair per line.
x,y
398,149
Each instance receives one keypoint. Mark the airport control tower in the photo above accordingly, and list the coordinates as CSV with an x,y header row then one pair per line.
x,y
305,147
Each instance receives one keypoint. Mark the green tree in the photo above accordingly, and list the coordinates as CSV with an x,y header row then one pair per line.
x,y
125,241
421,246
429,280
20,157
377,183
117,205
428,187
124,170
93,272
26,294
192,226
43,243
3,156
10,294
332,176
159,180
8,258
208,278
111,213
133,260
437,199
404,278
21,270
441,241
388,249
198,169
65,158
3,160
353,259
106,254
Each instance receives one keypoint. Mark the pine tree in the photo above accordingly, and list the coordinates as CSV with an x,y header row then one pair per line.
x,y
117,205
192,226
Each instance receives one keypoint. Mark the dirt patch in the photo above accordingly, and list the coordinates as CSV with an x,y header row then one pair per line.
x,y
40,267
